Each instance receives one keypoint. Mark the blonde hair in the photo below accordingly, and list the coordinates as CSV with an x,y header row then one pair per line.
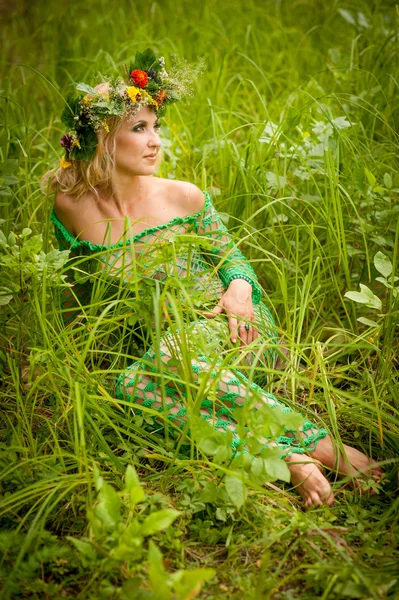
x,y
84,176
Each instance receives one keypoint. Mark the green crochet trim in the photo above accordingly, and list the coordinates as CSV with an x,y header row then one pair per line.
x,y
233,265
75,243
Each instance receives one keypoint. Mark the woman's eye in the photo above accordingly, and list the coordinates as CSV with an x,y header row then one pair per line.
x,y
157,126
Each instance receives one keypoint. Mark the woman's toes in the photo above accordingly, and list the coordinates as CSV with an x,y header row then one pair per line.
x,y
317,499
377,472
311,484
359,466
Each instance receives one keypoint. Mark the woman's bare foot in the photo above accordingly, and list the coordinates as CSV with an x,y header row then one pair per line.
x,y
356,465
310,482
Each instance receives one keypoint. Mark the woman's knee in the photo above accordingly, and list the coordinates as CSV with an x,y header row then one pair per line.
x,y
127,380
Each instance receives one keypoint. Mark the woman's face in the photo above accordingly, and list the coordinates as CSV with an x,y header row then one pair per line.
x,y
138,144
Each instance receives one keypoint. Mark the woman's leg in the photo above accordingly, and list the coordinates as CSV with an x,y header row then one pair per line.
x,y
354,463
141,384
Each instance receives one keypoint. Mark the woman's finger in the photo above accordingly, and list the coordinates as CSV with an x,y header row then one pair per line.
x,y
216,310
250,337
254,332
233,329
243,333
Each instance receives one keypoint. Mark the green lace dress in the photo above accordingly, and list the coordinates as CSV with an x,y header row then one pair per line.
x,y
190,262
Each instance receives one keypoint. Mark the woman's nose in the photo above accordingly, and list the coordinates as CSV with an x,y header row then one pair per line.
x,y
155,140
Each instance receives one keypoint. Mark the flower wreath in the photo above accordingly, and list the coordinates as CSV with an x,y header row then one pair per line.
x,y
146,83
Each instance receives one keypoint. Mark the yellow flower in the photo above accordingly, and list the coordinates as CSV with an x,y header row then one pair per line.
x,y
132,92
152,102
306,134
75,143
87,100
105,125
65,164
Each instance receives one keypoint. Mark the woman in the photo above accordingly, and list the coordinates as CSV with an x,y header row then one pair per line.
x,y
106,193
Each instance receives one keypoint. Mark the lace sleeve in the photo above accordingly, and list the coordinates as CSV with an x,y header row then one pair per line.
x,y
225,255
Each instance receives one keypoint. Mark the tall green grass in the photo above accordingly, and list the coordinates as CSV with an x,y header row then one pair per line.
x,y
293,132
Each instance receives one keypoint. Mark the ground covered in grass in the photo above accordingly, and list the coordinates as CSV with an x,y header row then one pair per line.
x,y
293,132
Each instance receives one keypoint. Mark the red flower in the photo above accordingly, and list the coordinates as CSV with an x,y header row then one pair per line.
x,y
139,78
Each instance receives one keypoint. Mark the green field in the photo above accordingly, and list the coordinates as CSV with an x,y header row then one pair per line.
x,y
293,131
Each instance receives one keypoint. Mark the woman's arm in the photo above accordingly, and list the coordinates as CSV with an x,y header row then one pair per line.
x,y
225,255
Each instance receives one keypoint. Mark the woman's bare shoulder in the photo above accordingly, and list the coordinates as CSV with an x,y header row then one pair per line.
x,y
67,209
186,196
63,208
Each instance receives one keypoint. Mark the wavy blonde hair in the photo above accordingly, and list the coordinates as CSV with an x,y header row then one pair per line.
x,y
87,175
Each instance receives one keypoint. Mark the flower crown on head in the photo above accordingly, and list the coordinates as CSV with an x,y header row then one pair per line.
x,y
146,84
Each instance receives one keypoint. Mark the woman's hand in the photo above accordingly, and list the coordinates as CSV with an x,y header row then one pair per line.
x,y
236,302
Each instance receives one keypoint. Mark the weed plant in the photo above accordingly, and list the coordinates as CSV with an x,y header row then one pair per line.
x,y
293,131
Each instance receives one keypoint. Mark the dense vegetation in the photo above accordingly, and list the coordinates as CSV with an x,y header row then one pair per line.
x,y
292,130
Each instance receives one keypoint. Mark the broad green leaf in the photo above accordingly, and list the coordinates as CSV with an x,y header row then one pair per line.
x,y
131,479
221,514
383,264
370,177
157,574
236,490
368,322
385,282
5,191
292,420
270,466
223,453
84,548
209,440
274,181
5,296
159,520
209,493
365,296
128,550
10,180
277,468
108,509
362,21
9,166
187,584
388,181
345,14
133,487
12,240
83,87
341,123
